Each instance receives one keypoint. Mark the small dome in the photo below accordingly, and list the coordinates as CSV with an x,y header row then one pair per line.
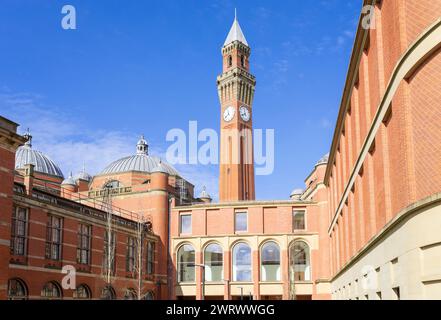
x,y
204,194
69,181
323,160
141,161
83,175
43,164
296,192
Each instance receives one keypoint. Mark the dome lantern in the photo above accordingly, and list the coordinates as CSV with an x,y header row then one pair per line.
x,y
142,147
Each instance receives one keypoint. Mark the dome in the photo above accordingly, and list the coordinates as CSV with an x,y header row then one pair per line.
x,y
159,168
204,194
43,164
69,181
141,161
323,160
296,192
83,175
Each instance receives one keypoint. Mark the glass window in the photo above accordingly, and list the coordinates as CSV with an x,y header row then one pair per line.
x,y
130,294
241,262
299,220
186,223
84,244
186,259
16,289
53,238
240,222
109,253
19,231
82,292
150,258
300,268
108,293
213,258
149,296
131,254
51,290
270,262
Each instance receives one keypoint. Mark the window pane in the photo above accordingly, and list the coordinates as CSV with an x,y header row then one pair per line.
x,y
213,263
270,257
186,224
241,221
242,262
299,220
186,259
300,267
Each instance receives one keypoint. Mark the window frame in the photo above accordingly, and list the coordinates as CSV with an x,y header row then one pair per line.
x,y
181,216
266,243
150,265
52,244
15,236
131,254
80,248
236,213
233,262
294,212
180,264
205,261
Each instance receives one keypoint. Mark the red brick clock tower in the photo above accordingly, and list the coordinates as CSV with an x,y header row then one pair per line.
x,y
236,91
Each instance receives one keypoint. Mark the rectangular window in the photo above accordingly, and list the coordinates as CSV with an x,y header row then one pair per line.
x,y
241,222
131,254
150,258
185,223
299,220
19,231
84,244
54,238
109,252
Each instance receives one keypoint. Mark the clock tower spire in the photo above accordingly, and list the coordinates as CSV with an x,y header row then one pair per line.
x,y
236,92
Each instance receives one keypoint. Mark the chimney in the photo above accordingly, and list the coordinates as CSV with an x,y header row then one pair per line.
x,y
29,178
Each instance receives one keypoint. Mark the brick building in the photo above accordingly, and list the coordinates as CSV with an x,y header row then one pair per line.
x,y
366,226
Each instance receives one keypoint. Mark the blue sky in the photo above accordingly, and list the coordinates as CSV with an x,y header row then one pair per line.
x,y
145,67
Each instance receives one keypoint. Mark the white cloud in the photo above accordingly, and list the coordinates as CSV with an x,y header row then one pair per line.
x,y
70,144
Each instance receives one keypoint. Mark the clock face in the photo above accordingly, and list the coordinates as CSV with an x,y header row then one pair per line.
x,y
229,114
245,113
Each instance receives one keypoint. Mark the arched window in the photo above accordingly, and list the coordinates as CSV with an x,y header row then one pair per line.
x,y
186,259
113,184
213,259
230,61
82,292
51,290
270,262
17,289
242,61
149,296
299,261
130,294
108,293
241,262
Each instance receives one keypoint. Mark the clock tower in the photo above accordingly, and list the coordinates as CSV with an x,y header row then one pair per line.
x,y
236,91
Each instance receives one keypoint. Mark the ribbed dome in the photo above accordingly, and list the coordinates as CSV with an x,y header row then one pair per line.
x,y
69,181
323,160
43,164
141,161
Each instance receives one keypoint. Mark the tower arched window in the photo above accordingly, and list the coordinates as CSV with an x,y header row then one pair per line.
x,y
230,61
270,262
213,260
82,292
17,289
242,61
299,262
186,260
51,290
108,293
242,262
